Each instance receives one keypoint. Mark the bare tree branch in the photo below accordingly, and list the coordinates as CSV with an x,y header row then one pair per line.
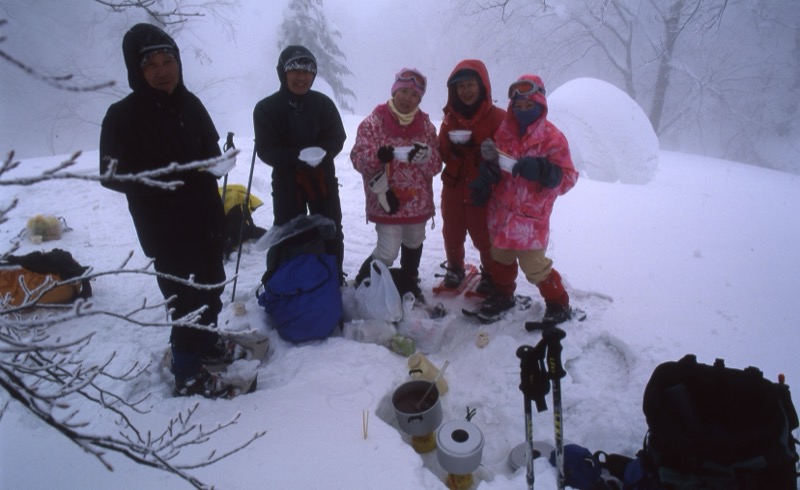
x,y
52,378
147,177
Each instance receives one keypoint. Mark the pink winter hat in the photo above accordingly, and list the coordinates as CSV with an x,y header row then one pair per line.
x,y
410,78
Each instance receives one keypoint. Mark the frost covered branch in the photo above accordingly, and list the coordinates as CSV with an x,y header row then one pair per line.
x,y
49,375
148,177
56,376
60,82
179,12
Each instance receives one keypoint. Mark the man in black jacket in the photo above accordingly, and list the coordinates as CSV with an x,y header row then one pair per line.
x,y
293,118
182,230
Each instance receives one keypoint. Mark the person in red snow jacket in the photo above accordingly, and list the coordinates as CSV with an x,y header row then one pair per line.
x,y
398,188
521,195
469,106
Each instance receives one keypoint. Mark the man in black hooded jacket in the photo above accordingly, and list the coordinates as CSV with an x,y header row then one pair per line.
x,y
182,230
293,118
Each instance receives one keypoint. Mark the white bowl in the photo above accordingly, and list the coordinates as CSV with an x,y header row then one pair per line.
x,y
506,162
312,155
401,153
460,135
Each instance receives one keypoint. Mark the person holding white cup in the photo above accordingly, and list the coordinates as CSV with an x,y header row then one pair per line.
x,y
398,187
470,117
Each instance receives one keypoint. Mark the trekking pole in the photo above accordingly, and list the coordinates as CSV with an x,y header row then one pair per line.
x,y
241,228
227,146
534,385
555,371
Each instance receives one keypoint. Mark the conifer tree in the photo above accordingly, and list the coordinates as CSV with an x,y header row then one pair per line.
x,y
305,24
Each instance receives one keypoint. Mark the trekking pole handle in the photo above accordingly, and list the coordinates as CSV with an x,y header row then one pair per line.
x,y
553,337
228,142
534,382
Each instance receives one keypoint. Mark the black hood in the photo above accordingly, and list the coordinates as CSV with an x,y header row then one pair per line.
x,y
292,53
140,40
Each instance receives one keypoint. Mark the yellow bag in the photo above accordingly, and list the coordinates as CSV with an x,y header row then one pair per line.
x,y
45,226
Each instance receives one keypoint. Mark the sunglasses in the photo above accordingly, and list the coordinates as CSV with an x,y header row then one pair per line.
x,y
412,76
524,87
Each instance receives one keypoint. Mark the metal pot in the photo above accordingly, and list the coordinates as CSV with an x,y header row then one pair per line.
x,y
459,447
413,420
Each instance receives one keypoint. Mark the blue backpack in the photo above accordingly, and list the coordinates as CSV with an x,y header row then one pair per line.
x,y
302,297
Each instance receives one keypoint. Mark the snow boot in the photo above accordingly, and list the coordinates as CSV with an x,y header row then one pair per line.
x,y
453,277
223,353
556,299
495,305
409,265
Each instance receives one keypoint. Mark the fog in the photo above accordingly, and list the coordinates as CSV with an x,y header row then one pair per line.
x,y
229,61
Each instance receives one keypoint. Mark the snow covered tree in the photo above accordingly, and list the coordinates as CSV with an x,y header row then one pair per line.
x,y
711,75
173,13
305,24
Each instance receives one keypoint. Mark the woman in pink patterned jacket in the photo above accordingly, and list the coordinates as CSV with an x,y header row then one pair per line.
x,y
399,189
521,198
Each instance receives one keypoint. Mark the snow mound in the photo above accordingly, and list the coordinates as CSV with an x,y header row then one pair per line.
x,y
609,135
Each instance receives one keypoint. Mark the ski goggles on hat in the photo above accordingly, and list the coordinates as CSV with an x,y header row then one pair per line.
x,y
412,76
523,88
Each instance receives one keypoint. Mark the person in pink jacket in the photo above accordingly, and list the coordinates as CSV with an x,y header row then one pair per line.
x,y
521,198
398,187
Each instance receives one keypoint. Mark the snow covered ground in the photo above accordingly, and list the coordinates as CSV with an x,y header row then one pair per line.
x,y
701,259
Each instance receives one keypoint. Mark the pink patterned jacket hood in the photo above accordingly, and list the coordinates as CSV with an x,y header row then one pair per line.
x,y
519,210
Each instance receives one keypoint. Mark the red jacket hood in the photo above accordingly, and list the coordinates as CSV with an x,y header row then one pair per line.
x,y
483,73
538,97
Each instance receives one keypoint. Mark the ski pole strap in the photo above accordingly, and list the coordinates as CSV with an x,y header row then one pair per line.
x,y
228,143
534,382
552,337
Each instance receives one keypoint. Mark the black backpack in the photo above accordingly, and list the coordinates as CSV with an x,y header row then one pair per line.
x,y
712,427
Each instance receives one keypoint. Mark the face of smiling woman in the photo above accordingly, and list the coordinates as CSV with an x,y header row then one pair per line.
x,y
162,72
299,81
468,91
406,100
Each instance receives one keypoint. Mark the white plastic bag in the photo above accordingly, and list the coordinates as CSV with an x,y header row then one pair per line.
x,y
370,331
416,324
378,297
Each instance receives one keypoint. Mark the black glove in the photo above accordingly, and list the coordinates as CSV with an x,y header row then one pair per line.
x,y
481,187
538,169
460,149
551,175
490,171
456,149
530,168
386,154
392,203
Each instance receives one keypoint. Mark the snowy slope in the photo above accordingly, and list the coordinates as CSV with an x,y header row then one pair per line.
x,y
702,259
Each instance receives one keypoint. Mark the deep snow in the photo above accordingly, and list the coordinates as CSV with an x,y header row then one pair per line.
x,y
701,259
